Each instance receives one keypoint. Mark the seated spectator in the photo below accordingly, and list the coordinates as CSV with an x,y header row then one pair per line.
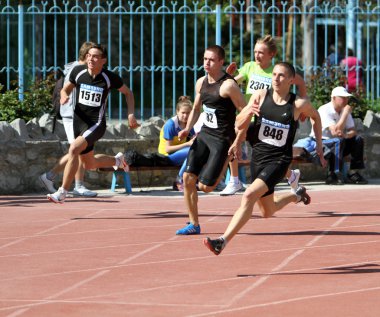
x,y
340,138
170,145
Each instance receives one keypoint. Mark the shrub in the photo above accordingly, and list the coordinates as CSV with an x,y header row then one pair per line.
x,y
321,84
37,101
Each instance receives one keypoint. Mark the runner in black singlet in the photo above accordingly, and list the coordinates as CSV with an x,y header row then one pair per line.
x,y
272,135
220,97
92,83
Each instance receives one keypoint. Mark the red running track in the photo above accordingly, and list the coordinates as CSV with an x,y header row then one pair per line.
x,y
118,256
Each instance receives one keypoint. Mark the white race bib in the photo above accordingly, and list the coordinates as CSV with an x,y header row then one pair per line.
x,y
273,133
257,82
90,95
210,119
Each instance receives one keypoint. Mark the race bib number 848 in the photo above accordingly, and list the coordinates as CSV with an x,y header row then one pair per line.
x,y
90,95
273,133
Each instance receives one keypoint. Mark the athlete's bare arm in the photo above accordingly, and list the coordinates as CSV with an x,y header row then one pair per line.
x,y
243,120
195,112
230,89
130,100
65,92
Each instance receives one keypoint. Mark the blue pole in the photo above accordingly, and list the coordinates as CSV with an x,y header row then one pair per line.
x,y
218,35
21,51
351,21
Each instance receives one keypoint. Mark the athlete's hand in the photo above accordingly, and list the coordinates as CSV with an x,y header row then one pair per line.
x,y
63,100
191,141
319,150
132,121
235,151
231,69
182,135
255,107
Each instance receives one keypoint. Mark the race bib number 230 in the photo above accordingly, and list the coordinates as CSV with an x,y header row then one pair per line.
x,y
90,95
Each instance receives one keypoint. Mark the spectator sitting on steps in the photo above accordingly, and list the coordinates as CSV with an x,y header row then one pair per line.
x,y
340,136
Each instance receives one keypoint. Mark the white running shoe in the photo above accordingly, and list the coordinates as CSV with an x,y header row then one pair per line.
x,y
83,191
48,184
58,197
231,189
294,184
120,162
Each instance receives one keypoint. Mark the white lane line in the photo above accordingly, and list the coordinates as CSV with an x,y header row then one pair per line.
x,y
41,233
285,301
285,262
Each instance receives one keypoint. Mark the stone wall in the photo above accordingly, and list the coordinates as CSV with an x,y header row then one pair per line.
x,y
23,157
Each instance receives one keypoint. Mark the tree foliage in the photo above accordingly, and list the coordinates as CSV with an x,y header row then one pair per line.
x,y
37,101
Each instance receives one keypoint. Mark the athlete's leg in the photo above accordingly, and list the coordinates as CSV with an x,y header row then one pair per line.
x,y
91,161
72,164
207,188
191,197
243,214
274,202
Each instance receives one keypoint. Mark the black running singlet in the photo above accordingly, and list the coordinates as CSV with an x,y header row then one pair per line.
x,y
92,93
220,113
274,131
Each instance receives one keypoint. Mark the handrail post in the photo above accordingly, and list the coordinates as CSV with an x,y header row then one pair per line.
x,y
21,50
218,29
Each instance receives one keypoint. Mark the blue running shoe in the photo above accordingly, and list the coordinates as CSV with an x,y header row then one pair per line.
x,y
189,229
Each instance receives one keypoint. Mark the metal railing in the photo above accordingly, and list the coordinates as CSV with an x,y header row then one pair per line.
x,y
157,46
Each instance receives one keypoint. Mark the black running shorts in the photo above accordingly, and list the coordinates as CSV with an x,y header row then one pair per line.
x,y
90,133
271,174
206,158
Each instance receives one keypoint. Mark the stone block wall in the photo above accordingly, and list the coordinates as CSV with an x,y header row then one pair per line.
x,y
28,150
21,163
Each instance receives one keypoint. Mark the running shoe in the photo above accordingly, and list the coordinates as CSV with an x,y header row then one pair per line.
x,y
215,246
120,162
294,181
231,189
189,229
84,192
302,195
58,197
356,178
48,184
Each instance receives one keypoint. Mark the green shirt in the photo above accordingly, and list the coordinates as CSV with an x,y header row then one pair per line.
x,y
256,77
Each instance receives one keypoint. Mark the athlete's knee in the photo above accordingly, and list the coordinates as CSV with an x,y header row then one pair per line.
x,y
250,194
74,150
189,179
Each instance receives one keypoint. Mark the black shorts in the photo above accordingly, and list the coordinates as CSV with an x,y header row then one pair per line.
x,y
91,133
271,174
206,158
